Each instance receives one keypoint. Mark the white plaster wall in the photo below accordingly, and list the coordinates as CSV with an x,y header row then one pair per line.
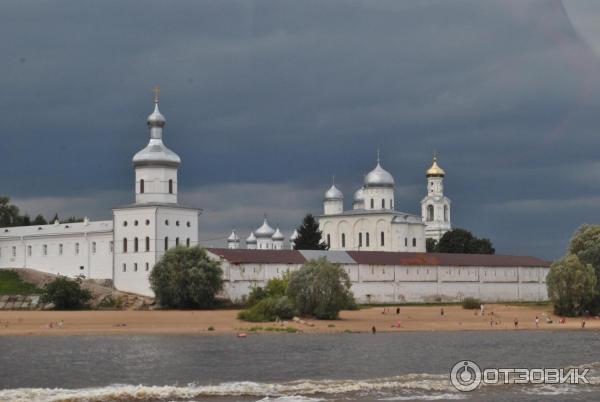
x,y
156,184
377,195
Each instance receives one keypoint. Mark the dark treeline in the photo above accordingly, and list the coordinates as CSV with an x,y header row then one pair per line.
x,y
10,216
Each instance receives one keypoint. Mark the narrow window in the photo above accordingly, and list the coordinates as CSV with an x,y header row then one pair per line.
x,y
142,186
147,267
382,203
124,245
445,213
124,267
111,246
414,242
328,239
176,241
135,267
406,242
187,242
94,247
29,251
343,240
135,245
391,204
76,248
60,249
429,213
147,243
367,239
45,249
166,243
382,239
14,251
360,240
170,186
372,203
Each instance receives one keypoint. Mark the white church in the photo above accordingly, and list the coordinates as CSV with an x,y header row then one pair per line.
x,y
381,249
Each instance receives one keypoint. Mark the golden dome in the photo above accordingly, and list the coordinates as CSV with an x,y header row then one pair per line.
x,y
435,170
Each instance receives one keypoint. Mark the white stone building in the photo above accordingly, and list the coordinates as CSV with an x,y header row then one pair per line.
x,y
435,207
125,249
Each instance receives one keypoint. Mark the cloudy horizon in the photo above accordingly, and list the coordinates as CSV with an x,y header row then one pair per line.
x,y
266,100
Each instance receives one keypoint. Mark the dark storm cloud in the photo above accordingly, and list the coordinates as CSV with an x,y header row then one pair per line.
x,y
266,100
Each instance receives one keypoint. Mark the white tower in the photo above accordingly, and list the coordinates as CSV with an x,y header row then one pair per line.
x,y
333,201
233,241
251,242
435,207
145,230
293,238
378,191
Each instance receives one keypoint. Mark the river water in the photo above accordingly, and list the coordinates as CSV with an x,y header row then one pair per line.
x,y
289,367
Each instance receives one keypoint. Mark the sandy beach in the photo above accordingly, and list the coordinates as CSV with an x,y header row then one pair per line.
x,y
194,322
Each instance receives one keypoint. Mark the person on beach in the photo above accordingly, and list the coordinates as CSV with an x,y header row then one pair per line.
x,y
582,324
516,322
537,322
397,310
482,308
374,330
442,311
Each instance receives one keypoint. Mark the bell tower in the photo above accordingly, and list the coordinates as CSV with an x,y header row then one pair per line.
x,y
435,207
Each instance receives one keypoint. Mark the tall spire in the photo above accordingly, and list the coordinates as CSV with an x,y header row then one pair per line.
x,y
378,159
156,121
156,94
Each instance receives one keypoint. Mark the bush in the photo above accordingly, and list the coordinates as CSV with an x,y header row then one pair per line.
x,y
186,278
256,294
66,294
320,289
470,303
269,309
275,287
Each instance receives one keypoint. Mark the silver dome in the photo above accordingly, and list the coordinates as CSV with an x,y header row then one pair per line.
x,y
359,195
379,177
333,194
278,235
265,231
251,239
233,237
156,153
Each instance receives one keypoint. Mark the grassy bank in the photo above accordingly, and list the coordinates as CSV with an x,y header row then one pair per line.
x,y
12,284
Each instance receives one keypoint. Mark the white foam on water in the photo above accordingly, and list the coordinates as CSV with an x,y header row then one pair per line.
x,y
437,397
291,398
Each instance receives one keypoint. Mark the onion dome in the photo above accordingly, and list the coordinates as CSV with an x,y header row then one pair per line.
x,y
265,231
333,194
233,237
379,177
435,170
156,153
359,195
294,235
278,236
251,239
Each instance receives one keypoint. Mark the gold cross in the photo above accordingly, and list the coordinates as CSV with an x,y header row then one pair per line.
x,y
156,93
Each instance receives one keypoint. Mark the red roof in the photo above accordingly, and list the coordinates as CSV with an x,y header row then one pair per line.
x,y
443,259
239,256
242,256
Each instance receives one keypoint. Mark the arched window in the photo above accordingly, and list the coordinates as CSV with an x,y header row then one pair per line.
x,y
170,186
60,249
445,213
429,213
414,242
382,238
147,243
124,267
76,248
382,203
406,242
391,204
166,243
360,240
93,247
135,266
124,245
367,239
136,245
372,203
142,186
328,239
187,242
343,240
177,241
147,267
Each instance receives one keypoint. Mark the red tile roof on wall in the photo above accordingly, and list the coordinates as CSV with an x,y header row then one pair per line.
x,y
242,256
443,259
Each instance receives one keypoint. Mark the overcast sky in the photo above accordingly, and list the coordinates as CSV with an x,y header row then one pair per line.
x,y
266,100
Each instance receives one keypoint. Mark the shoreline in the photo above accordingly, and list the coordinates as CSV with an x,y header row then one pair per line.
x,y
225,322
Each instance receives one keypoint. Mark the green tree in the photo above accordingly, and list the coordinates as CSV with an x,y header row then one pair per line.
x,y
463,242
39,220
321,289
309,235
185,277
571,285
585,244
66,294
9,214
